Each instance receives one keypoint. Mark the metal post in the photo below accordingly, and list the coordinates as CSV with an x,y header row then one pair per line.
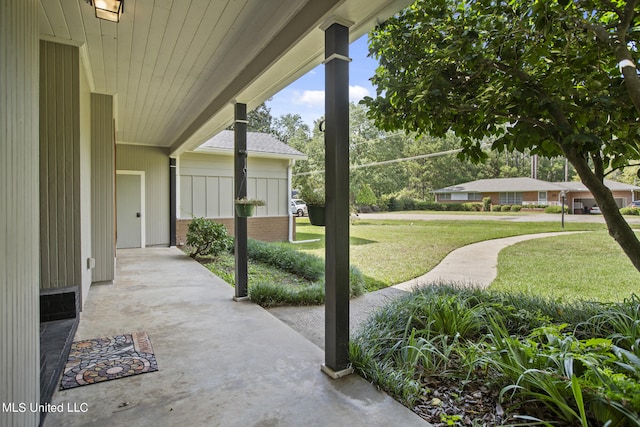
x,y
336,139
240,178
172,202
563,200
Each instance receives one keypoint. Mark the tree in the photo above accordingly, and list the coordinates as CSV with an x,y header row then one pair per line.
x,y
555,77
290,129
260,119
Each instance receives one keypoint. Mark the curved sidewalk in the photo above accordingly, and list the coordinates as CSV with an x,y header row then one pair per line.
x,y
473,265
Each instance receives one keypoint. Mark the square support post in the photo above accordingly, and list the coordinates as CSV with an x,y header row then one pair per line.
x,y
240,180
336,139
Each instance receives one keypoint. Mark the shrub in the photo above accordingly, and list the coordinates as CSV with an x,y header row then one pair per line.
x,y
396,204
630,211
451,207
505,208
269,294
555,209
206,237
516,208
384,202
496,208
472,207
408,203
486,204
575,363
302,264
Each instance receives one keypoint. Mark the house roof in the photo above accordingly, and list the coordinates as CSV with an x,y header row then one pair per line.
x,y
612,185
501,184
258,145
526,184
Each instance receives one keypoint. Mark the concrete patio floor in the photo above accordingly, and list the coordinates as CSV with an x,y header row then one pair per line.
x,y
221,363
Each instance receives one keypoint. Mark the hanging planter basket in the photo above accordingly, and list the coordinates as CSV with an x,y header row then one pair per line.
x,y
316,215
244,210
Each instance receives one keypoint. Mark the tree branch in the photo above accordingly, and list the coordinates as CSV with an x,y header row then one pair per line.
x,y
618,168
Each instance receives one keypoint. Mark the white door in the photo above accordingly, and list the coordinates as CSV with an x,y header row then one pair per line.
x,y
129,210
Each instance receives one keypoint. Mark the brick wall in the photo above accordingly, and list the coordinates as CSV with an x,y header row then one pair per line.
x,y
267,228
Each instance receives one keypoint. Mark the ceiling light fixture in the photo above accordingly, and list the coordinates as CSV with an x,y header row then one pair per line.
x,y
109,10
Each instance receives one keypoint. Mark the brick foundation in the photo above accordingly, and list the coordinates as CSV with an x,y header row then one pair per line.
x,y
265,228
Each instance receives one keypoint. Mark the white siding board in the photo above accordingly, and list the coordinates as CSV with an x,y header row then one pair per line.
x,y
154,161
283,198
226,197
170,37
199,196
19,218
60,161
266,180
102,187
85,184
272,197
186,197
213,197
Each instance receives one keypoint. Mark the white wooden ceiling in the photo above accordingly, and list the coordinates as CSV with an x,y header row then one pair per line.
x,y
176,66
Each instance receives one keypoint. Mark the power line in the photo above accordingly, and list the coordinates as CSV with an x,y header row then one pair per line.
x,y
404,159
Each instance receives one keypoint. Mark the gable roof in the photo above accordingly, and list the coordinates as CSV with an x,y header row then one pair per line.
x,y
526,184
258,145
501,184
611,185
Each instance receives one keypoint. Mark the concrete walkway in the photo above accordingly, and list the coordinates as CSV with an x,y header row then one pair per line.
x,y
472,265
221,363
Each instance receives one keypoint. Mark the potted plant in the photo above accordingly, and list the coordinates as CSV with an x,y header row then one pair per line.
x,y
246,207
314,198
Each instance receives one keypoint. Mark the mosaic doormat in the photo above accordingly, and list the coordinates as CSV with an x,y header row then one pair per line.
x,y
109,358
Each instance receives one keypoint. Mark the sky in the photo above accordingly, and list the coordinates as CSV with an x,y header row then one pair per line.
x,y
305,96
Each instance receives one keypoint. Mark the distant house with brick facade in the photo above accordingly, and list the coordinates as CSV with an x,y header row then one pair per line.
x,y
205,184
529,191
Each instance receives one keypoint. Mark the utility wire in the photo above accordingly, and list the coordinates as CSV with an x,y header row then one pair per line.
x,y
387,162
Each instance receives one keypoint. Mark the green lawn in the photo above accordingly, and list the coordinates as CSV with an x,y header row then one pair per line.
x,y
580,266
388,252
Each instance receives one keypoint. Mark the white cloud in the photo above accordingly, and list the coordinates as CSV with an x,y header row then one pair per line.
x,y
309,98
356,93
315,98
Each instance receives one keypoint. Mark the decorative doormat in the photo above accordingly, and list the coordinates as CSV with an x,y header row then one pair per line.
x,y
109,358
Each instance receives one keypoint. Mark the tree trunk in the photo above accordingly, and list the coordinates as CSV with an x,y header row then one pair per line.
x,y
618,227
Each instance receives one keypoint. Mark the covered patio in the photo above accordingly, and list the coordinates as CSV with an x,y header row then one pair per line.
x,y
220,363
83,97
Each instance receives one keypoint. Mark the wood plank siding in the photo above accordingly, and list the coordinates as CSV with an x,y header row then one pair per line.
x,y
102,187
59,166
206,186
154,161
19,212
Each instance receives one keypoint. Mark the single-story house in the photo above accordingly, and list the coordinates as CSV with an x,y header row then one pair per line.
x,y
529,191
205,186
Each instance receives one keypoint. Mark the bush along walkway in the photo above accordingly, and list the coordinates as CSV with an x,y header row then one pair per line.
x,y
475,357
306,288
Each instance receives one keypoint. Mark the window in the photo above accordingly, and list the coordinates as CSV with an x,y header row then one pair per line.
x,y
475,196
542,197
510,198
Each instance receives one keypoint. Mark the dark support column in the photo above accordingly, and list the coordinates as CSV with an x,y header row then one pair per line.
x,y
336,139
172,202
240,178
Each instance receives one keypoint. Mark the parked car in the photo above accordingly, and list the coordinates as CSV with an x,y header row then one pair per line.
x,y
298,207
634,204
595,209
